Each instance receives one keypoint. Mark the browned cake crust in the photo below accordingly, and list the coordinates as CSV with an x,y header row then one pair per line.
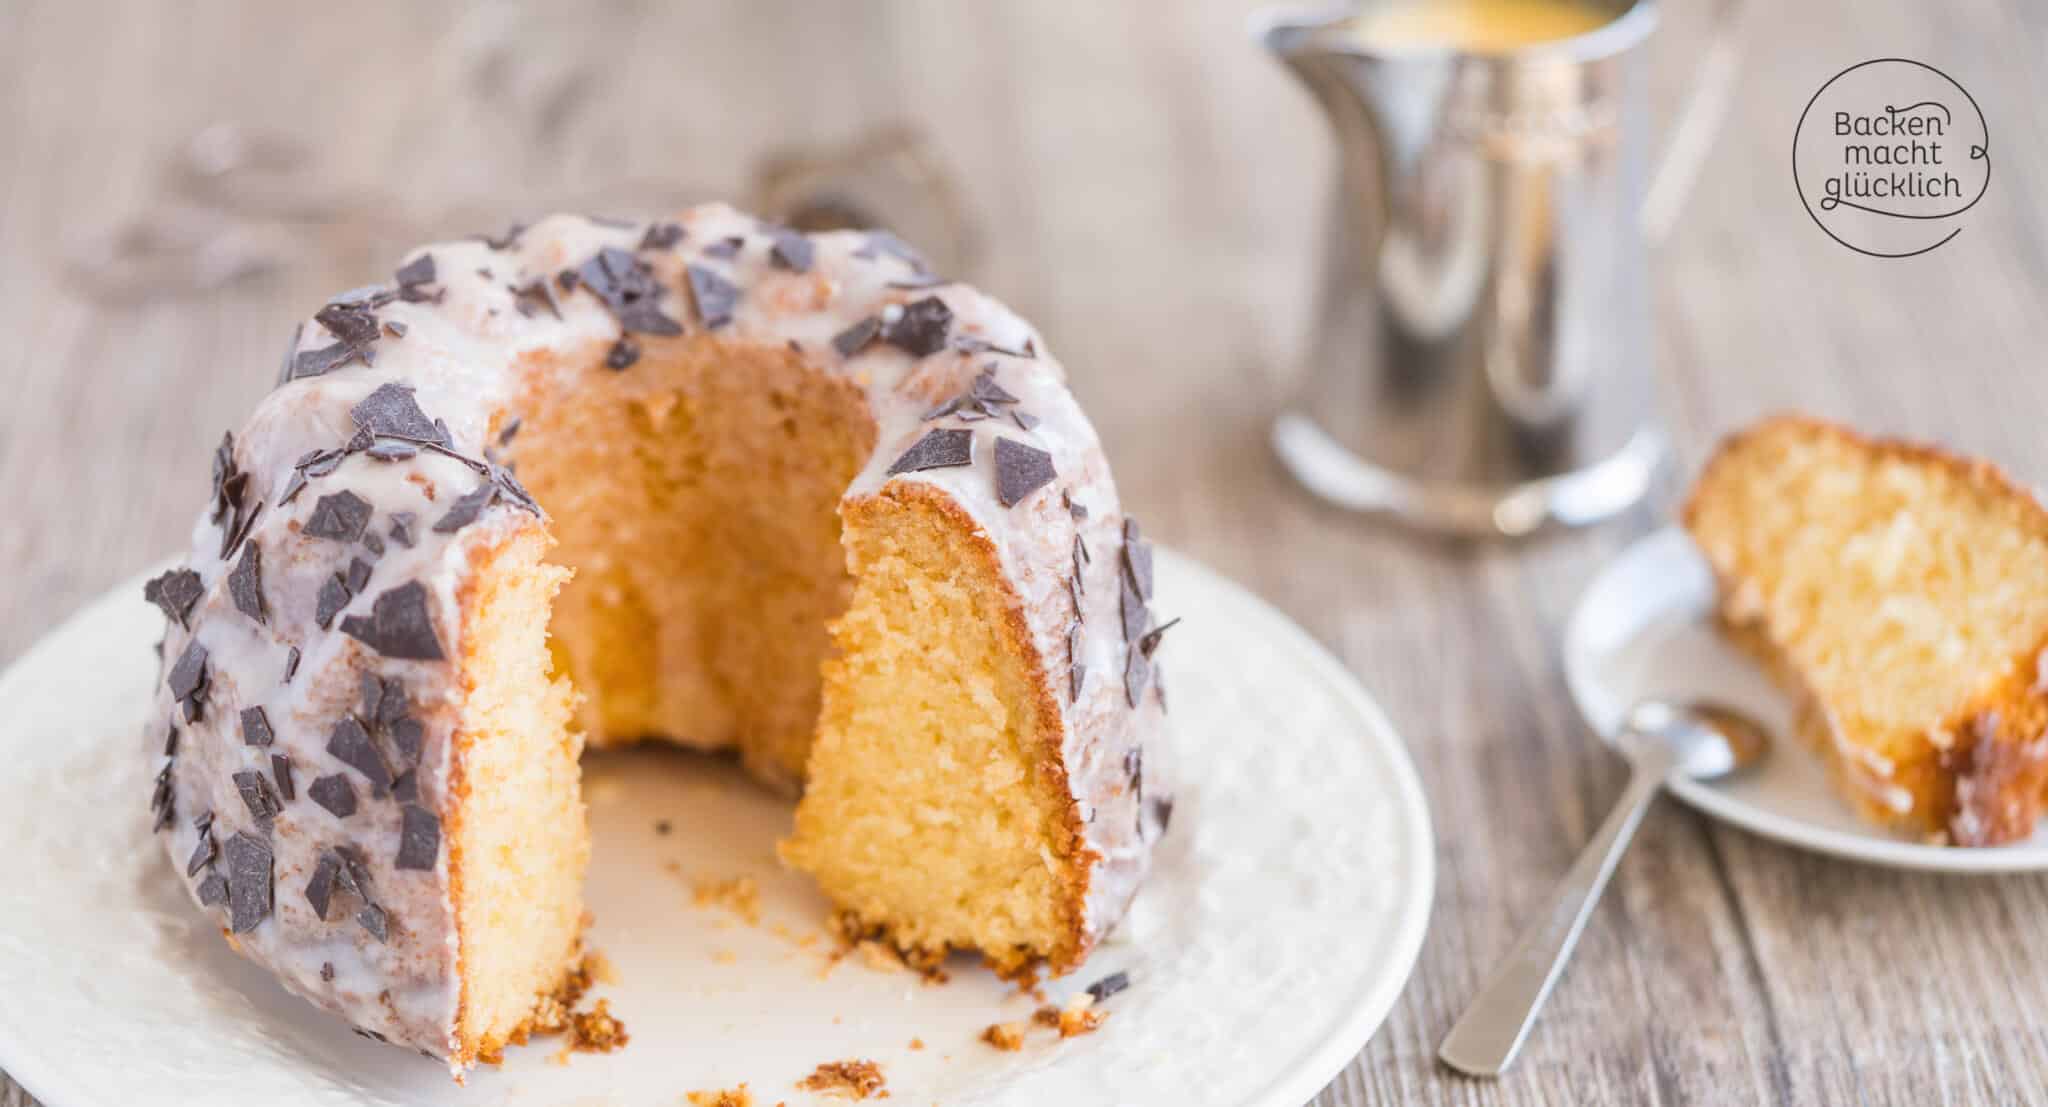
x,y
1975,779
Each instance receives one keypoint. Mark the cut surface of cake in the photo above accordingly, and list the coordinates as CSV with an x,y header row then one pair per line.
x,y
1900,593
706,481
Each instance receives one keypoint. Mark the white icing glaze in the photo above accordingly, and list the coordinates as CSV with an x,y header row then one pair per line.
x,y
469,353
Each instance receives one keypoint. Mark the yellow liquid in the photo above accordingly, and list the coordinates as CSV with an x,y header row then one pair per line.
x,y
1480,26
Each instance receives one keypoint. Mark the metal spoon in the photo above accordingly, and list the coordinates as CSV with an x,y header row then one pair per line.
x,y
1703,741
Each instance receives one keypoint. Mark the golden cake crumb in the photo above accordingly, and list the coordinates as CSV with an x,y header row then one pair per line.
x,y
1079,1016
739,895
916,1043
1006,1036
596,1030
736,1097
847,1080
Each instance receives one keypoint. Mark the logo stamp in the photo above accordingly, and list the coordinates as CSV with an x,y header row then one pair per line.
x,y
1889,155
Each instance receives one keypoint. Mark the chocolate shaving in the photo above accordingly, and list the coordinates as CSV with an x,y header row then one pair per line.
x,y
1137,673
920,327
406,789
1150,641
327,970
1109,985
1077,670
1162,808
788,249
162,801
291,353
1132,607
249,882
352,746
187,679
245,584
335,794
416,272
281,771
373,543
334,595
202,854
1074,507
714,296
392,450
175,592
725,249
213,891
1137,558
627,286
255,790
291,664
855,338
171,741
507,240
920,282
975,344
320,892
1020,471
394,328
938,449
256,727
510,431
399,625
340,517
1025,420
661,236
419,840
885,242
373,919
410,736
358,574
401,527
393,411
464,511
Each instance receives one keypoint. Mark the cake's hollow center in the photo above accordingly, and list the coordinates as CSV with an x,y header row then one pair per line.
x,y
695,495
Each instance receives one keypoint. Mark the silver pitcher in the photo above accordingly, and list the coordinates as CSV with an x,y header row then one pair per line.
x,y
1482,357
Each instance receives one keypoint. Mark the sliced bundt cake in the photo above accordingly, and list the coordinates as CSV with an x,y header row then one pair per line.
x,y
1902,594
709,481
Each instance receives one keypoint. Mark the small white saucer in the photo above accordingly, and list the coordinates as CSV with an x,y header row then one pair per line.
x,y
1643,629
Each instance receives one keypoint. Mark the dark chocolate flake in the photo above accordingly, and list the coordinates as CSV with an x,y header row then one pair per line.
x,y
320,891
281,772
340,517
188,675
373,919
394,328
1109,985
175,592
213,891
920,327
855,338
327,970
1020,471
393,411
352,746
465,511
249,881
534,295
1131,607
392,449
255,791
256,727
1137,673
245,583
401,527
291,664
202,854
419,840
938,449
358,575
1074,507
334,595
410,736
335,794
399,625
714,296
406,789
1137,558
418,271
627,286
662,236
790,249
1150,641
725,249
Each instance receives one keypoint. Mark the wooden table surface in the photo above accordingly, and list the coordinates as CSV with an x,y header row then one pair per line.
x,y
1146,188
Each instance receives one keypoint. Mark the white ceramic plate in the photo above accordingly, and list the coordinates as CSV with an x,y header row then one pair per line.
x,y
1286,913
1642,629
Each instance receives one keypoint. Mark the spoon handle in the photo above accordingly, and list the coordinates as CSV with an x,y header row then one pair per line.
x,y
1487,1036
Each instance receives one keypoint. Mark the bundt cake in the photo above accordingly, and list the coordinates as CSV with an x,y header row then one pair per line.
x,y
1901,594
706,480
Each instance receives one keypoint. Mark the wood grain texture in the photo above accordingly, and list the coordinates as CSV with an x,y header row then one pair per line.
x,y
1147,188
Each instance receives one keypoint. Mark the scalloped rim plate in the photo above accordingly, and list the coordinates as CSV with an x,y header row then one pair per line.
x,y
1297,877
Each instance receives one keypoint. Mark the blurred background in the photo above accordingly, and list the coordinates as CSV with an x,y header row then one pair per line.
x,y
181,182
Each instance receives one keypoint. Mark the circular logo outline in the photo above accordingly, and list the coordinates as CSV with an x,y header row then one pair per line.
x,y
1800,187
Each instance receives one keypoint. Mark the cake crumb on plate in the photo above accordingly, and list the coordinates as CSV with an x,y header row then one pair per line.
x,y
847,1080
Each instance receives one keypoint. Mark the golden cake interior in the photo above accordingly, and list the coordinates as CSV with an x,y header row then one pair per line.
x,y
708,600
517,841
931,813
1904,594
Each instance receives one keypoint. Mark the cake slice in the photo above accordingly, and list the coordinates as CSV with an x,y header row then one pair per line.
x,y
1901,593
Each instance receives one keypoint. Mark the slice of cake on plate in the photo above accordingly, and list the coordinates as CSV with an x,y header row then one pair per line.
x,y
1901,593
